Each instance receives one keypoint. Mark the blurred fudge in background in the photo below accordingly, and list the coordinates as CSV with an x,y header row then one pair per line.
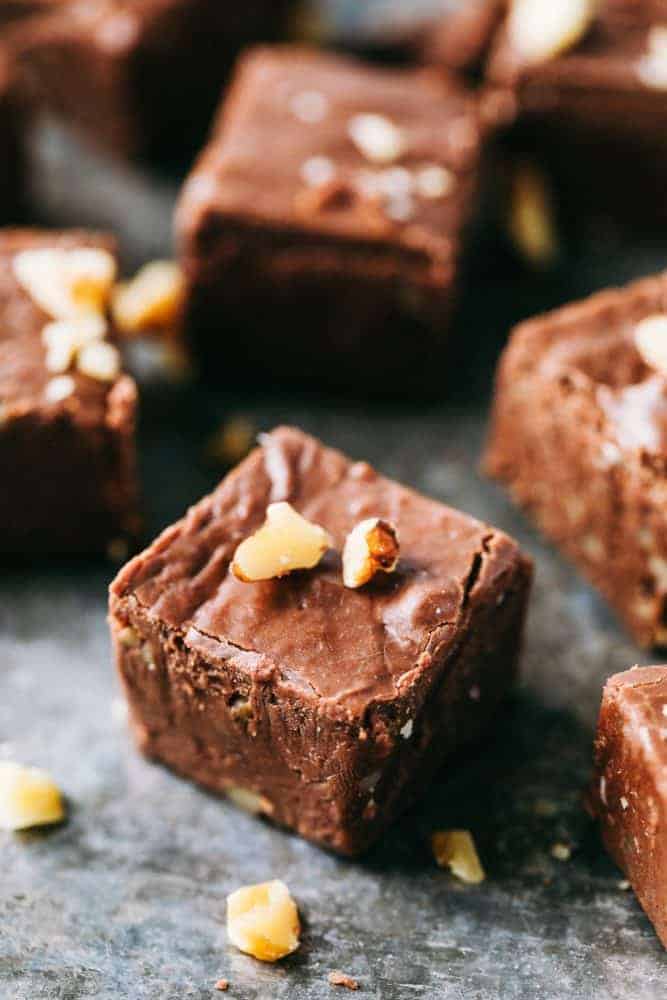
x,y
322,228
141,78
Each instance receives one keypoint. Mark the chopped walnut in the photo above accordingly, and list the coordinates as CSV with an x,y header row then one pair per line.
x,y
337,978
531,222
222,985
651,341
66,283
152,301
285,542
541,30
371,547
251,802
28,797
434,181
561,852
99,360
376,137
64,338
263,921
59,388
652,67
455,849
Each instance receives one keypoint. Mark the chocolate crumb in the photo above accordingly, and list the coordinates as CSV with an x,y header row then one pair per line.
x,y
337,978
222,985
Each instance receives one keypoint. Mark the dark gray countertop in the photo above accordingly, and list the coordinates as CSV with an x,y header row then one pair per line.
x,y
127,899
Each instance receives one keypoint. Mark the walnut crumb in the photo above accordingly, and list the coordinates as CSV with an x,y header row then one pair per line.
x,y
152,302
222,985
455,849
542,31
263,921
337,978
285,542
28,797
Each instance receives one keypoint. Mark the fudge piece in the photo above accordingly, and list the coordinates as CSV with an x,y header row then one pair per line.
x,y
579,435
591,86
11,149
153,69
66,413
324,707
321,229
628,794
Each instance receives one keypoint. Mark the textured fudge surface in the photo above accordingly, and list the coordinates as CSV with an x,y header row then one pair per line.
x,y
338,672
629,790
579,434
72,486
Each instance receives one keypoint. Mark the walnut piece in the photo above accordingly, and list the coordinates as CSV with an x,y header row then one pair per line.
x,y
371,547
263,921
540,30
249,801
337,978
376,137
531,223
651,341
64,338
285,542
152,301
99,360
66,283
455,849
28,797
652,67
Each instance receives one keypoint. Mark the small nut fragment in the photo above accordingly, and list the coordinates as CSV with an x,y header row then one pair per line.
x,y
66,283
337,978
59,388
455,849
251,802
263,921
652,67
64,338
152,301
376,137
435,181
540,30
28,797
371,547
99,360
561,852
128,637
651,341
531,223
285,542
222,985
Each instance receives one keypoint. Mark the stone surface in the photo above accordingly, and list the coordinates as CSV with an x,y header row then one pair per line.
x,y
126,901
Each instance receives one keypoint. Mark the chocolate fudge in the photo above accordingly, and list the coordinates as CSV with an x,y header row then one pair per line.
x,y
579,436
139,77
595,111
66,438
628,794
323,707
322,227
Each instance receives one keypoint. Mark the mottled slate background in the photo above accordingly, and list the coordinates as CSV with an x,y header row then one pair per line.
x,y
126,901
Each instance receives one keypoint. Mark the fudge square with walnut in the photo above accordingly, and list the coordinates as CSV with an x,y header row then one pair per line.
x,y
325,707
628,794
322,227
67,411
579,435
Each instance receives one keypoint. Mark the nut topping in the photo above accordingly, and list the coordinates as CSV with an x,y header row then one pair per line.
x,y
285,542
152,301
371,547
540,30
99,360
28,797
64,338
455,849
263,921
651,341
66,283
376,138
251,802
652,67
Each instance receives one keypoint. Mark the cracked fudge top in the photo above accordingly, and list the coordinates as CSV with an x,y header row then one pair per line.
x,y
611,347
325,144
348,646
28,384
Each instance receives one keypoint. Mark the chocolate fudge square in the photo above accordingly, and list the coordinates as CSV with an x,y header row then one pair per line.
x,y
579,436
628,794
322,227
594,106
153,69
67,437
325,708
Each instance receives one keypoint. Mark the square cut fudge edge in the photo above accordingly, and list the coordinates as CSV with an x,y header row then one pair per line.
x,y
575,436
287,240
628,793
72,487
324,708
